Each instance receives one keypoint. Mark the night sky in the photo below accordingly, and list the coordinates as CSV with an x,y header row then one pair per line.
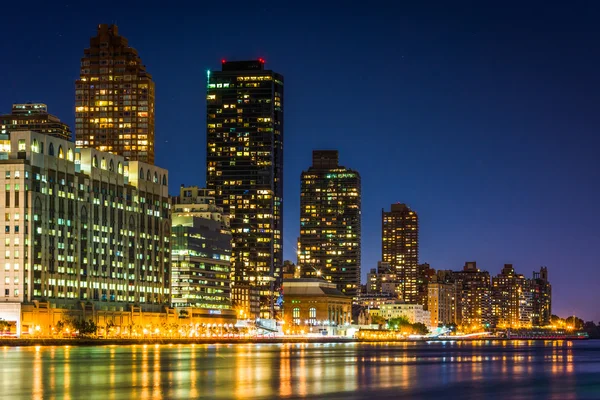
x,y
482,119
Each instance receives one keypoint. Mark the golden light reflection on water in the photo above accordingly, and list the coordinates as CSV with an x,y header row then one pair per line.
x,y
67,373
289,370
38,391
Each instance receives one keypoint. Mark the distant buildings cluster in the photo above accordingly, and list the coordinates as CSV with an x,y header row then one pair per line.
x,y
91,231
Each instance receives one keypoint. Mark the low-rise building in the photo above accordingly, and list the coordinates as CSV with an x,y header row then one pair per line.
x,y
414,313
313,302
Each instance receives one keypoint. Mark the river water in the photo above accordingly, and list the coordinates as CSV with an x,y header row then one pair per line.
x,y
442,370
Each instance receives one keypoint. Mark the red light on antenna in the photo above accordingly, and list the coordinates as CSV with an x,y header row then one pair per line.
x,y
223,61
262,60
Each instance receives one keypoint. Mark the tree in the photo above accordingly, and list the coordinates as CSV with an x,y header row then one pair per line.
x,y
592,330
574,322
85,328
398,323
420,329
4,325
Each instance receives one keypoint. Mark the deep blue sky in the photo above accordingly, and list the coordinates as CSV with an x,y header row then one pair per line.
x,y
483,118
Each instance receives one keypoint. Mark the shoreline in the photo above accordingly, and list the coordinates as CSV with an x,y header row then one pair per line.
x,y
29,342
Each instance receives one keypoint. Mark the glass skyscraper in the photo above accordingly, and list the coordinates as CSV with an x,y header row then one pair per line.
x,y
245,173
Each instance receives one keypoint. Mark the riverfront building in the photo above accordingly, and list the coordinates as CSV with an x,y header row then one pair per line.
x,y
414,313
313,303
201,252
541,298
400,248
441,303
474,298
84,230
245,174
330,222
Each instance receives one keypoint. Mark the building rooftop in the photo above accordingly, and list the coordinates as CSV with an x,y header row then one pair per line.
x,y
311,287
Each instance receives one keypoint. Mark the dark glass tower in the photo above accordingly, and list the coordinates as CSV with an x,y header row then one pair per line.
x,y
245,172
329,244
114,99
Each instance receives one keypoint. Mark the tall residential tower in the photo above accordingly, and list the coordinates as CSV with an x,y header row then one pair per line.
x,y
245,172
400,248
114,99
329,244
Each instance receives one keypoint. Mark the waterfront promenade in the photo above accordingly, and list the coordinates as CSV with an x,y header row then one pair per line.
x,y
16,342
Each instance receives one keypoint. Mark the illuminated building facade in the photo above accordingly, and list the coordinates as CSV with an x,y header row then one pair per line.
x,y
82,227
330,222
114,99
34,117
414,313
425,274
474,298
200,253
509,298
312,304
441,303
400,248
541,298
245,173
382,279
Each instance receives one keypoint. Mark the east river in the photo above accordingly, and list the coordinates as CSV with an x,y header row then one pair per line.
x,y
441,370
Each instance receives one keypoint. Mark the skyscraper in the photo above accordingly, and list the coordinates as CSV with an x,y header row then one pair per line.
x,y
400,248
329,243
245,171
34,117
114,99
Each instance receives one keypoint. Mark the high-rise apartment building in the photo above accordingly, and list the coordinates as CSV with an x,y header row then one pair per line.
x,y
441,303
541,292
400,248
330,222
245,171
425,274
34,117
510,299
114,99
200,253
83,228
473,294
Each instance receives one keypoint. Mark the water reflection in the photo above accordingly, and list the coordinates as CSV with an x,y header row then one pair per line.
x,y
560,370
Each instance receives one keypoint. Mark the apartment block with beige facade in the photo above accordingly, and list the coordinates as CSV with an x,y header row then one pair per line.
x,y
83,230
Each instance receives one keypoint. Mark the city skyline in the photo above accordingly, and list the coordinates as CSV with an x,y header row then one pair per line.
x,y
527,249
